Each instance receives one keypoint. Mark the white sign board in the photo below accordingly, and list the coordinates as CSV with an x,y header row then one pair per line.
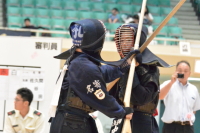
x,y
197,66
184,48
13,78
31,59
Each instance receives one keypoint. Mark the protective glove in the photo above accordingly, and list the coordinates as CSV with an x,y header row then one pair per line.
x,y
128,110
124,67
138,55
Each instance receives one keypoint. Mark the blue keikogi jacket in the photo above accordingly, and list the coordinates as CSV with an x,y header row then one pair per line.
x,y
88,81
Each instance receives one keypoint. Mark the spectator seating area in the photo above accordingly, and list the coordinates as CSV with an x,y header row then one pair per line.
x,y
58,14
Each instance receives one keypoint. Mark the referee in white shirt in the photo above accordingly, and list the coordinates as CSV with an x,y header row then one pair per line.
x,y
181,100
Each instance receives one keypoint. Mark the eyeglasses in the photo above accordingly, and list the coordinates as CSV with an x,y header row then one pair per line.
x,y
17,100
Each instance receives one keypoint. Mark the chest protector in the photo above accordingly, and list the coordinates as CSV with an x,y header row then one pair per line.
x,y
146,74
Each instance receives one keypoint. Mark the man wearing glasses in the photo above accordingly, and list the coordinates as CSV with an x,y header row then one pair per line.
x,y
24,119
181,100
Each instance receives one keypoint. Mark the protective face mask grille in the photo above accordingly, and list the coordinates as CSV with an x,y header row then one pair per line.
x,y
124,39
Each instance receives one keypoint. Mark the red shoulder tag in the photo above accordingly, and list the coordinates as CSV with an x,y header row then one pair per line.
x,y
37,113
11,112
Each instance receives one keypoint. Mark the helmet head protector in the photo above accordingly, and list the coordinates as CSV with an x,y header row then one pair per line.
x,y
89,36
125,37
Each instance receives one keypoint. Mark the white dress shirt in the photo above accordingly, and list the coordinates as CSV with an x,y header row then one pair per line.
x,y
31,123
145,17
180,102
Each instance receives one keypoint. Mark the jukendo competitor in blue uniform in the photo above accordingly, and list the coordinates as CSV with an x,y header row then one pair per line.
x,y
145,87
83,88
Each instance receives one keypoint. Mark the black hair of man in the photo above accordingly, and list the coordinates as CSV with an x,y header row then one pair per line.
x,y
147,11
115,9
26,94
183,61
27,19
136,17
